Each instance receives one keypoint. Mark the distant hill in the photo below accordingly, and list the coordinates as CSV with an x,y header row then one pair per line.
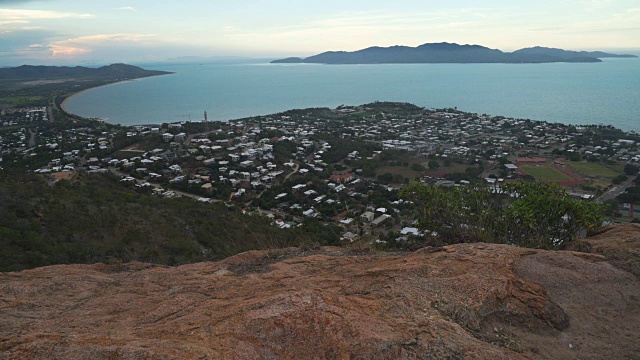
x,y
450,53
30,72
539,50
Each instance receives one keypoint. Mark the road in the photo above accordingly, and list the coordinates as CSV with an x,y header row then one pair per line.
x,y
50,112
190,137
616,190
285,179
32,138
158,186
294,171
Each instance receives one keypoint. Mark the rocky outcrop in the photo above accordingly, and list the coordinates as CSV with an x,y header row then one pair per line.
x,y
472,301
620,244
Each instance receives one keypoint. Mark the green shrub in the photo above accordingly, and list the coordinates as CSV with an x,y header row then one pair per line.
x,y
536,215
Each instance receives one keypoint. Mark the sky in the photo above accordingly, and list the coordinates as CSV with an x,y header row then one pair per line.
x,y
52,32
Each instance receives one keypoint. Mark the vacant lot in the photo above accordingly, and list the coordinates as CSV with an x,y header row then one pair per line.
x,y
594,169
405,171
545,173
453,168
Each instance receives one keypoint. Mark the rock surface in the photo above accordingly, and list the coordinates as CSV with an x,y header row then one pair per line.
x,y
620,245
472,301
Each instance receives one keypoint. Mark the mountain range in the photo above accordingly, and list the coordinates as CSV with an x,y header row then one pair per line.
x,y
28,72
451,53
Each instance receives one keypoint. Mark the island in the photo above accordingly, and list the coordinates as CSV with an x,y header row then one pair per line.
x,y
435,53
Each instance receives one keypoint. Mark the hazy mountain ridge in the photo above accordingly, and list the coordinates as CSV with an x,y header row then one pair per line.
x,y
27,72
569,53
451,53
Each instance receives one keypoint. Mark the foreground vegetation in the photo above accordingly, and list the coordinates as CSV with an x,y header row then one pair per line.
x,y
95,219
536,215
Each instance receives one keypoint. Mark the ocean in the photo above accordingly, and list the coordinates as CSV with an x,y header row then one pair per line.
x,y
571,93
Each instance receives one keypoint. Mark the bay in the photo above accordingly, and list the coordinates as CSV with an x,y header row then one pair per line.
x,y
572,93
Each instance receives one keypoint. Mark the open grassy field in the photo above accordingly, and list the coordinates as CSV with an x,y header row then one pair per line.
x,y
545,173
453,168
593,169
411,174
17,101
399,170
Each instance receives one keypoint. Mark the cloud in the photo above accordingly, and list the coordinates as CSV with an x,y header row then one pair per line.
x,y
13,22
550,28
599,4
19,36
100,48
24,16
7,2
506,28
127,8
87,44
18,40
353,30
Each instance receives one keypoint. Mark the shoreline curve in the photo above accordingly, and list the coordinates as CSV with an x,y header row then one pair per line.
x,y
65,101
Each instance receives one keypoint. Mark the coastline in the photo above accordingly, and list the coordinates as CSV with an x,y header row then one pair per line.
x,y
363,88
63,104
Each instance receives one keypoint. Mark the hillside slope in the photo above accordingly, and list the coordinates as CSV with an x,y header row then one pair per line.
x,y
474,301
94,218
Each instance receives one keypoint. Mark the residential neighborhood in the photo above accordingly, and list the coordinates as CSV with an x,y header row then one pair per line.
x,y
341,166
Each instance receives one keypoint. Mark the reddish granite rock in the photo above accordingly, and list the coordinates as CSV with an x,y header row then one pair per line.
x,y
472,301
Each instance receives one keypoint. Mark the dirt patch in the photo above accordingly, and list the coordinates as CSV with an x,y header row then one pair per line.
x,y
46,82
65,175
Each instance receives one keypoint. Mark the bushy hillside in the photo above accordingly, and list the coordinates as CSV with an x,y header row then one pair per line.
x,y
26,72
96,219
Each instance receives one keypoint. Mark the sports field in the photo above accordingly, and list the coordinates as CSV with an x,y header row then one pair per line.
x,y
594,169
545,173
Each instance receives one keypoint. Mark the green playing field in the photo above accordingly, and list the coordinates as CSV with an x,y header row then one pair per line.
x,y
545,173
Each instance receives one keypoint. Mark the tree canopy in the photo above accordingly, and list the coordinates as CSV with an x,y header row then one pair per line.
x,y
537,215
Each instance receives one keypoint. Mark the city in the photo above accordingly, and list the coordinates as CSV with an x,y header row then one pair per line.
x,y
341,166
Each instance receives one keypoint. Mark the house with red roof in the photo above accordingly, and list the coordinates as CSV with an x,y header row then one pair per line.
x,y
341,178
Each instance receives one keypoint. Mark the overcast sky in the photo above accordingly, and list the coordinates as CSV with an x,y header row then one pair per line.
x,y
77,31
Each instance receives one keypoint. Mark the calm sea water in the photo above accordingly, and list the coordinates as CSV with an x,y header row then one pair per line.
x,y
607,92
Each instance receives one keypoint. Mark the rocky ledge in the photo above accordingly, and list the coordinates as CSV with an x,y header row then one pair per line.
x,y
472,301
